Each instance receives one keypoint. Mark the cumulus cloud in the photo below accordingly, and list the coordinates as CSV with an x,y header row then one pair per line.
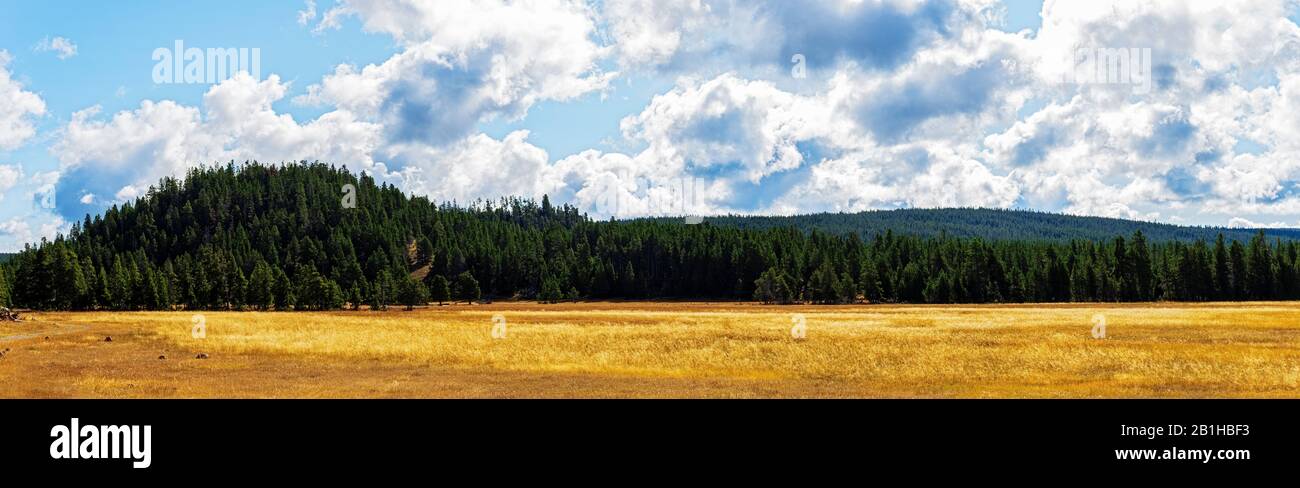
x,y
21,230
1106,149
746,146
460,64
9,176
1242,223
456,172
124,154
63,47
907,104
463,63
683,34
724,122
17,107
308,14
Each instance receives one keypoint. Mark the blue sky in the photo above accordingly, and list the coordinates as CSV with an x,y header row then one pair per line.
x,y
900,103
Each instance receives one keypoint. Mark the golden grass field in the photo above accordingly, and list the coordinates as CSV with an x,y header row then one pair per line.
x,y
664,349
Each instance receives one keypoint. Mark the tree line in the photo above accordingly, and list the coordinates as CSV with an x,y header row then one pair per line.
x,y
280,237
994,224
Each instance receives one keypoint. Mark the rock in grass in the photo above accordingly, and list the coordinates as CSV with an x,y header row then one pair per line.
x,y
162,356
108,339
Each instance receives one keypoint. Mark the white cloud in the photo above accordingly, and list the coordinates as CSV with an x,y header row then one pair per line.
x,y
728,121
20,230
473,168
10,174
15,227
650,32
63,47
126,153
705,37
907,104
1104,150
757,149
463,63
308,14
1242,223
17,107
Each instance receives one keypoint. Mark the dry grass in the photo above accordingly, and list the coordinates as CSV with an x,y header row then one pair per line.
x,y
667,350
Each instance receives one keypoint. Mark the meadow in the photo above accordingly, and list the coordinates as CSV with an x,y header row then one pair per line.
x,y
663,349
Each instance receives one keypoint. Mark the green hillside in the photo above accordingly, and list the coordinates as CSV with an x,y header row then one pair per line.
x,y
991,224
286,238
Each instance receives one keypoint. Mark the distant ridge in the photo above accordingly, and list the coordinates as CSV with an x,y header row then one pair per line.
x,y
280,237
992,224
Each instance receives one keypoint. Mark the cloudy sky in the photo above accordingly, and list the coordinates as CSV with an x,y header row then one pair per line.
x,y
636,107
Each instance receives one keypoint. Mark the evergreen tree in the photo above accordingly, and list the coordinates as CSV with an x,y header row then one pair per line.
x,y
1259,270
467,288
283,290
261,287
869,281
845,289
354,297
105,298
381,292
439,289
822,285
121,285
1222,272
1237,257
1140,259
550,292
411,292
220,237
4,290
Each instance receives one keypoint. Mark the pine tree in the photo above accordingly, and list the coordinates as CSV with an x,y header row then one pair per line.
x,y
439,289
869,281
467,288
550,292
121,285
823,283
105,298
1259,270
1140,259
1237,257
4,290
354,297
381,292
845,289
261,286
765,287
411,292
282,292
1222,273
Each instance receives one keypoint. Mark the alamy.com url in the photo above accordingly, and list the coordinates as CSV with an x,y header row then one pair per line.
x,y
1176,454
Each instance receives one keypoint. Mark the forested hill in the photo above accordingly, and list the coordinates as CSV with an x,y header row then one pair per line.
x,y
992,224
311,236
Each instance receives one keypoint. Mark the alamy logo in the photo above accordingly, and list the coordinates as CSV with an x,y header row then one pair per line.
x,y
102,442
1112,66
211,65
1098,326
